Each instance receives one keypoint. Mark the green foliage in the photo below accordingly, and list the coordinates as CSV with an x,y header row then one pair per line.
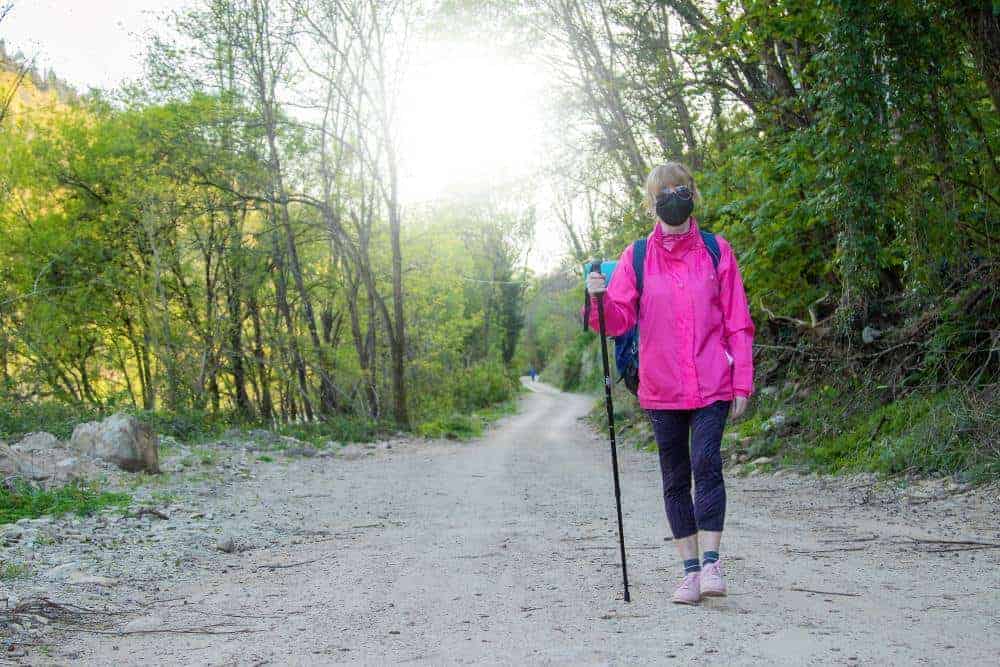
x,y
58,418
483,385
187,426
458,426
10,570
836,429
580,367
339,428
20,500
927,434
454,427
467,399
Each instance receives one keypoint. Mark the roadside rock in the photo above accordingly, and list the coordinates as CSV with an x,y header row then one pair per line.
x,y
264,436
34,442
63,572
80,577
17,464
774,422
121,439
352,452
780,424
226,544
870,334
306,452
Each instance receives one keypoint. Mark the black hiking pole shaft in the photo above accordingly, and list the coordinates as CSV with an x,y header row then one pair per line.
x,y
611,432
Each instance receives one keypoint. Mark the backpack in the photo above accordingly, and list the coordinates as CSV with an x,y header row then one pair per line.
x,y
627,345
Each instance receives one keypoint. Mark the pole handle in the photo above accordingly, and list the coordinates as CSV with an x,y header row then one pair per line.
x,y
592,266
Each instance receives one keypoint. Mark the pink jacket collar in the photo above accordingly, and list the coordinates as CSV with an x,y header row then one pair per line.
x,y
679,243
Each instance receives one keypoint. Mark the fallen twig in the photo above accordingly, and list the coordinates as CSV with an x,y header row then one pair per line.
x,y
979,547
810,590
475,556
280,566
152,631
826,551
922,540
143,511
204,630
850,539
43,606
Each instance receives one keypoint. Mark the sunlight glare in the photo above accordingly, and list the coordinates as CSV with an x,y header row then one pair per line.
x,y
469,118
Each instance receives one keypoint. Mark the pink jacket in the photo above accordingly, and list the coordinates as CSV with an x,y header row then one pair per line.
x,y
695,331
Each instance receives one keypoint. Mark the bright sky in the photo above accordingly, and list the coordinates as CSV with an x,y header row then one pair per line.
x,y
89,43
471,117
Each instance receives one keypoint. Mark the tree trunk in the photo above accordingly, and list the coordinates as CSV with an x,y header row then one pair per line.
x,y
983,25
266,407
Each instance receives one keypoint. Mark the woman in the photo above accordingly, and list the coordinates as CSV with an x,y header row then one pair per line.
x,y
695,364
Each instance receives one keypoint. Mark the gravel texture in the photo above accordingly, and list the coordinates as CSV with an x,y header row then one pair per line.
x,y
504,551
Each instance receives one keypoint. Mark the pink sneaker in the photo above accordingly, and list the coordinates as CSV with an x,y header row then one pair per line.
x,y
689,592
712,583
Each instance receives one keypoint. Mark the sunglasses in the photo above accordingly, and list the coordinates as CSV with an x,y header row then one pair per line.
x,y
681,191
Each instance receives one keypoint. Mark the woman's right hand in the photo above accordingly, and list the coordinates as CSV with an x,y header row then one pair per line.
x,y
596,284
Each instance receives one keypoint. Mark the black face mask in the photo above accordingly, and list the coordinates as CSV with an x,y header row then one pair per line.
x,y
674,208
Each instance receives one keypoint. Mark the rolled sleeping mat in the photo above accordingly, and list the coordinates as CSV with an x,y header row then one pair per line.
x,y
607,268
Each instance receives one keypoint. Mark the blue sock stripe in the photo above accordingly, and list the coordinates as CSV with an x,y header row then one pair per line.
x,y
692,565
710,557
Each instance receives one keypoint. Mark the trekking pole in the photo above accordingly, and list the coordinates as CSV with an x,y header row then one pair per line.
x,y
611,428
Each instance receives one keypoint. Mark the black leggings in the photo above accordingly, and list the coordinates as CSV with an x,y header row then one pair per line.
x,y
703,427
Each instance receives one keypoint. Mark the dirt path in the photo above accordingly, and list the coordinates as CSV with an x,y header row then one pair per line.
x,y
503,551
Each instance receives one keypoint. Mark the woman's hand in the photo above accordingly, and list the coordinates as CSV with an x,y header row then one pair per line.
x,y
739,406
596,283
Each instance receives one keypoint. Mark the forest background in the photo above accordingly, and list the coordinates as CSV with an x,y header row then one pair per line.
x,y
223,242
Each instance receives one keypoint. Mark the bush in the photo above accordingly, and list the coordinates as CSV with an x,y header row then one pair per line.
x,y
573,370
482,385
929,434
854,428
454,427
342,428
188,426
59,419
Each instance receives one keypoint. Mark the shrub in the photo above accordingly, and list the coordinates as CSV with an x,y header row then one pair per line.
x,y
454,427
482,385
59,419
342,428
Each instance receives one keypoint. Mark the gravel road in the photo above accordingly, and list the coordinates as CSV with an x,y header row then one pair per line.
x,y
503,551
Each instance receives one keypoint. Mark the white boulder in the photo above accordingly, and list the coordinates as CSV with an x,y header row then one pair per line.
x,y
120,439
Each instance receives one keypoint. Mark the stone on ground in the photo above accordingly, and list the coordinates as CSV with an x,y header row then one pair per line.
x,y
34,442
120,439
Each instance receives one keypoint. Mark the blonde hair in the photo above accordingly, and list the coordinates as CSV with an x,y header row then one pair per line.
x,y
671,174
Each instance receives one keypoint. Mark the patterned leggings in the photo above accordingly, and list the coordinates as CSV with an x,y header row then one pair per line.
x,y
703,427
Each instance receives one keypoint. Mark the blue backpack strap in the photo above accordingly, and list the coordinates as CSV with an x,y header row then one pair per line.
x,y
712,245
639,262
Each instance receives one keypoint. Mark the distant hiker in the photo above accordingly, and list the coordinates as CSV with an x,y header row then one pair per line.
x,y
533,373
695,364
